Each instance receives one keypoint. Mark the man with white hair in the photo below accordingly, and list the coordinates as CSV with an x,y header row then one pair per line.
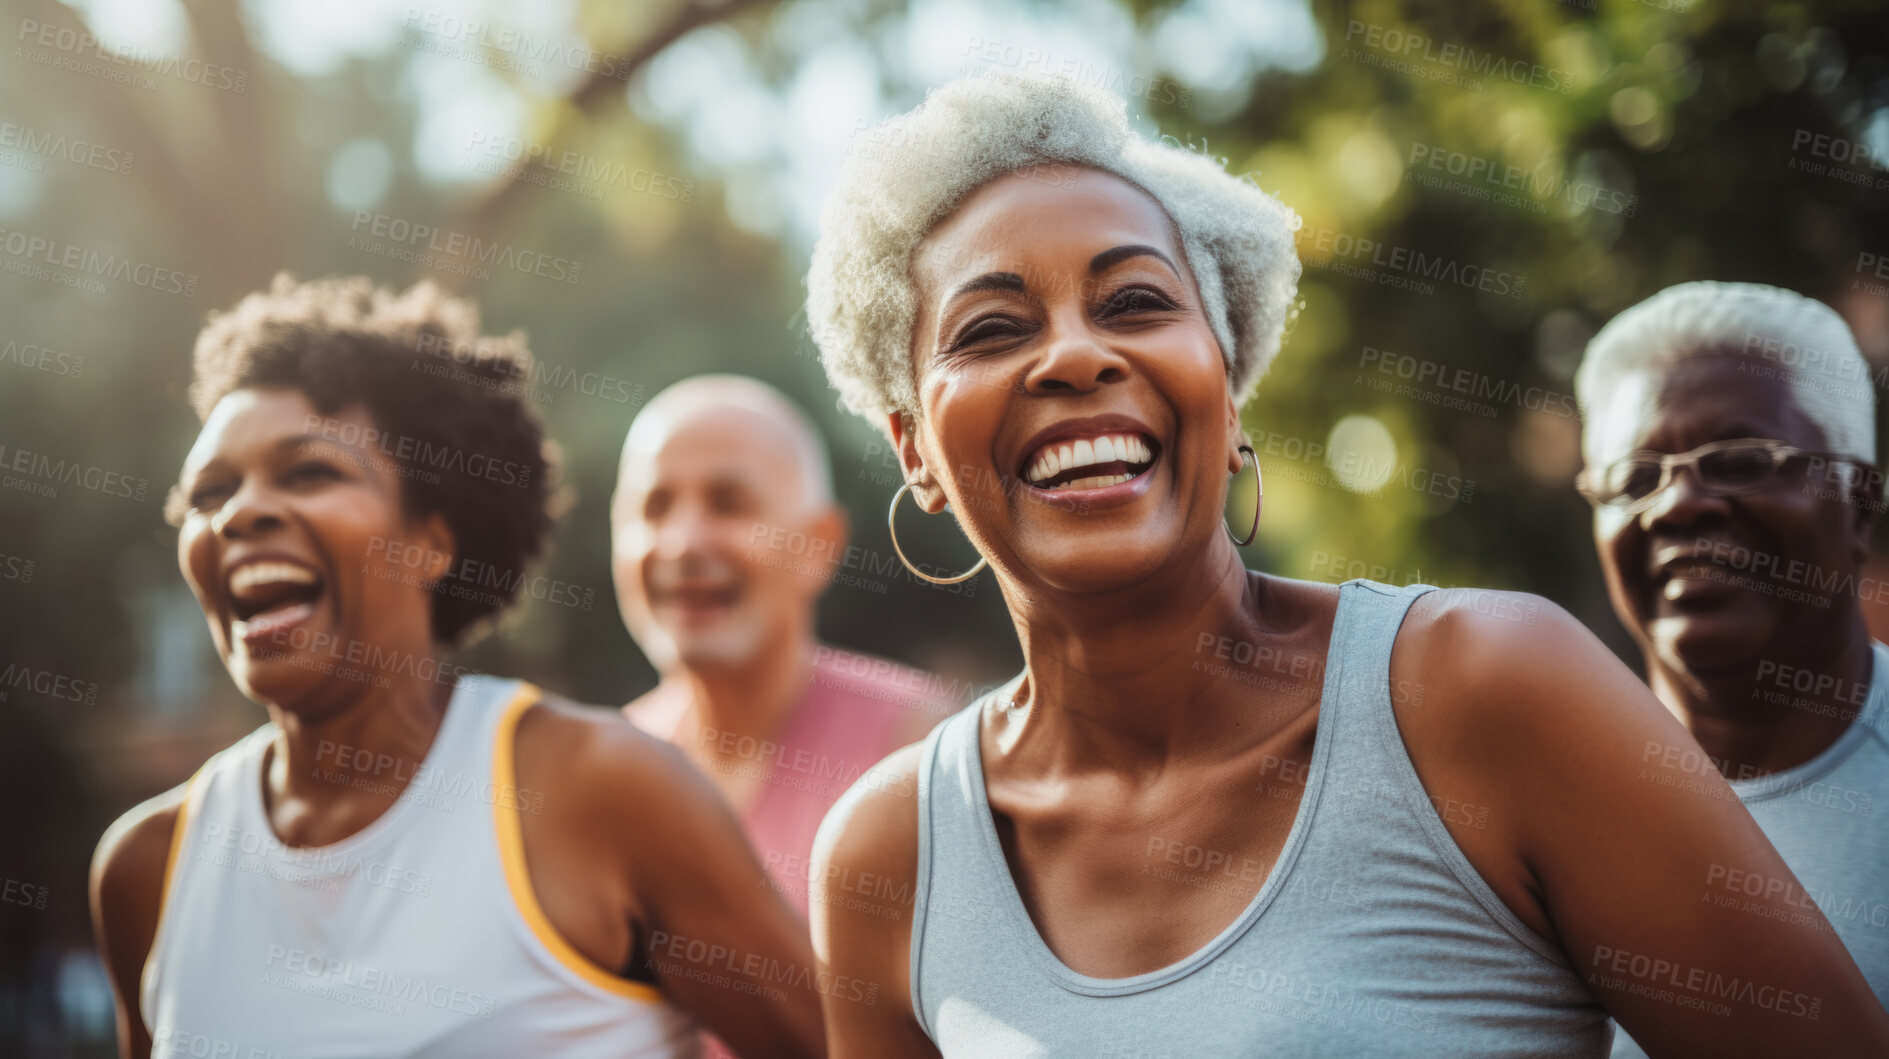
x,y
1729,439
724,536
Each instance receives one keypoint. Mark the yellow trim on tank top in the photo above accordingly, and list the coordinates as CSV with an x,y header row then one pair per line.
x,y
511,850
163,888
164,882
177,844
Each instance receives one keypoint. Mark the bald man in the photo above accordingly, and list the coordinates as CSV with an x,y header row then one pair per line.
x,y
717,472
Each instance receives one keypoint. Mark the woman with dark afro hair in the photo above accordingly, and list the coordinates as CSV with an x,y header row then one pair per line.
x,y
410,858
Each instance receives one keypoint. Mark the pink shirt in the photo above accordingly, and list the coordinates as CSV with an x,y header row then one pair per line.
x,y
858,708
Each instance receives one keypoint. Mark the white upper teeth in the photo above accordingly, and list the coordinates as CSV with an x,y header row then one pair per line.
x,y
1057,457
252,575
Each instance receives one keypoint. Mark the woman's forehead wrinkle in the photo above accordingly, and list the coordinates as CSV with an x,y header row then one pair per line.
x,y
980,250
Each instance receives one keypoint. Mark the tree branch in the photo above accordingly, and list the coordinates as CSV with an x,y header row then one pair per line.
x,y
488,213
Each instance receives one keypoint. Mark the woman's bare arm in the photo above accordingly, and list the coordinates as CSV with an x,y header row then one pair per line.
x,y
126,893
1612,835
871,833
719,940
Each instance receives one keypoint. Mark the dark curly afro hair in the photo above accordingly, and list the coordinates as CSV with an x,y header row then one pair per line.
x,y
417,363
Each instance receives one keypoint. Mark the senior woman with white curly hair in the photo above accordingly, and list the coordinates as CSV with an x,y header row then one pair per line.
x,y
1221,812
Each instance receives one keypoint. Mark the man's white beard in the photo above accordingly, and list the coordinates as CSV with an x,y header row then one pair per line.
x,y
733,646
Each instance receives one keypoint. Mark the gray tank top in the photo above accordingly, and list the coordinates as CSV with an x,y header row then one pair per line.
x,y
1372,936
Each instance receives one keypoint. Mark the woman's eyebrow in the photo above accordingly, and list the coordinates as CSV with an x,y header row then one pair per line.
x,y
991,281
189,472
1110,258
295,443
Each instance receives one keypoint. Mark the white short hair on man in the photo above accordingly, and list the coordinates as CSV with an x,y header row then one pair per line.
x,y
1812,349
905,176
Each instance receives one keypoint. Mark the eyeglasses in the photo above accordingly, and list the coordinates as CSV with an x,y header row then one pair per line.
x,y
1724,468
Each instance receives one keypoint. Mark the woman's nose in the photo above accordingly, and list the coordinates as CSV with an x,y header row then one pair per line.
x,y
248,512
1074,358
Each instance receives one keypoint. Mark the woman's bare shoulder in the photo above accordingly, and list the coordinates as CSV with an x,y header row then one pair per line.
x,y
874,825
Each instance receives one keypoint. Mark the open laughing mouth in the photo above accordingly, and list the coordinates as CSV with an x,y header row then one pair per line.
x,y
270,596
1071,464
696,602
1690,575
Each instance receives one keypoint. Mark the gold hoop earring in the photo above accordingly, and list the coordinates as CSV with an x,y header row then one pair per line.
x,y
891,520
1259,488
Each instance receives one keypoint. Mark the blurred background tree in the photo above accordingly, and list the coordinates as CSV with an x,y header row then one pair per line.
x,y
1482,186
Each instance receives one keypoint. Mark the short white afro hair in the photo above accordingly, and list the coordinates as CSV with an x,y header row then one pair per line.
x,y
909,173
1812,349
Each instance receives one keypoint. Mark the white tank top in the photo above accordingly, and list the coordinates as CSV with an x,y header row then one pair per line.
x,y
419,935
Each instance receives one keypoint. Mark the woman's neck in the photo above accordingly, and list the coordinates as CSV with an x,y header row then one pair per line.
x,y
333,770
1137,680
